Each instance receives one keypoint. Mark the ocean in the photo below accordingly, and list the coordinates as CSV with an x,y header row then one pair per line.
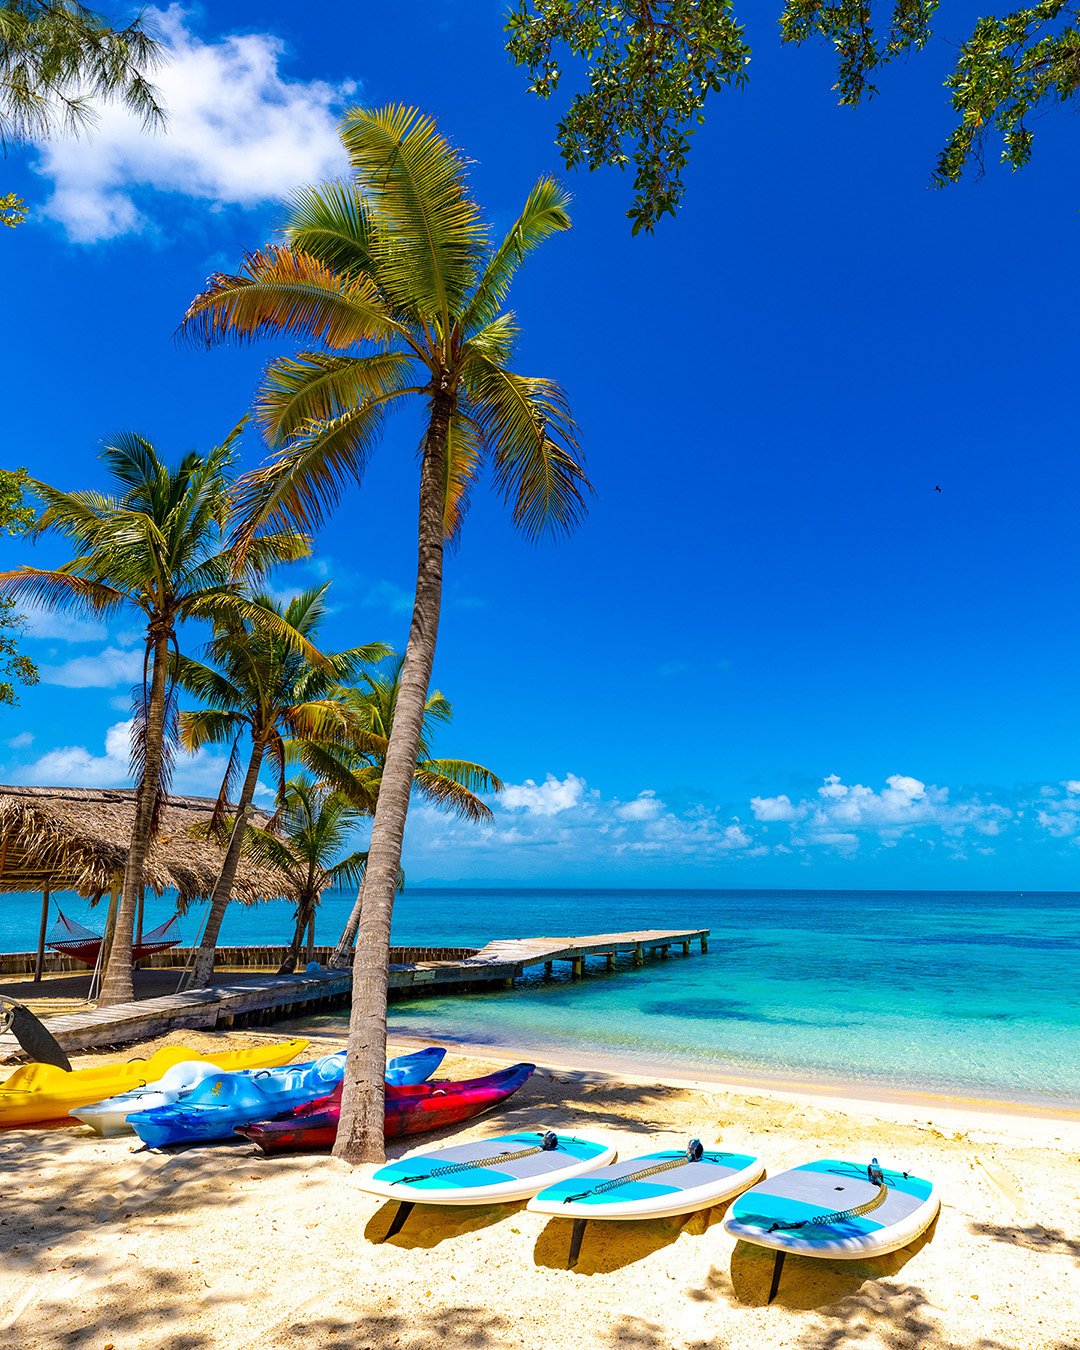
x,y
958,992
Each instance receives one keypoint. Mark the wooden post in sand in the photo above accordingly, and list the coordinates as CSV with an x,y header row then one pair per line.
x,y
39,963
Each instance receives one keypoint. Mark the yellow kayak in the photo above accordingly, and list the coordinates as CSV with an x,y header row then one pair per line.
x,y
38,1092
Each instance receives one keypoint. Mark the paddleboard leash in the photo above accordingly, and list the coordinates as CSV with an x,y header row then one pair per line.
x,y
876,1178
548,1142
694,1153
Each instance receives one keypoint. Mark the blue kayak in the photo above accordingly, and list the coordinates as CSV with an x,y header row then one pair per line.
x,y
415,1068
215,1106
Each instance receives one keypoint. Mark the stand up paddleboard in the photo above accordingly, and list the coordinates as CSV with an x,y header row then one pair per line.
x,y
653,1186
842,1210
484,1172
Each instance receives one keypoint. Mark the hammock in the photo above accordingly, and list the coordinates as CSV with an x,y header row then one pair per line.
x,y
72,939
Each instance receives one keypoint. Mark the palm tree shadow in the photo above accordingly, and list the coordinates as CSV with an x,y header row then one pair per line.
x,y
429,1225
810,1283
1036,1237
612,1244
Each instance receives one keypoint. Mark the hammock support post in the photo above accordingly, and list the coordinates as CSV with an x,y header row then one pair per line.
x,y
39,961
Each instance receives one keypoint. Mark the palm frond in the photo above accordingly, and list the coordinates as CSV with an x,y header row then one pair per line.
x,y
450,795
61,590
306,477
532,439
280,290
430,236
546,212
331,222
319,386
464,458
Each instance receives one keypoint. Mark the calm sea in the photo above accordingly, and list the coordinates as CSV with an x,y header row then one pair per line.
x,y
951,991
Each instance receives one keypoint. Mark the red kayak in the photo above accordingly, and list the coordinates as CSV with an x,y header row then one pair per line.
x,y
413,1109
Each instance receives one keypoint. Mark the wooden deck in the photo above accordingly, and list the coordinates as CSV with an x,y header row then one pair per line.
x,y
268,998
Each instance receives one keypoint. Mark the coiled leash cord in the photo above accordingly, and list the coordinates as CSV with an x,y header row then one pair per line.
x,y
875,1176
547,1143
694,1153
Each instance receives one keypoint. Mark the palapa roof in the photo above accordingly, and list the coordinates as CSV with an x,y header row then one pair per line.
x,y
77,839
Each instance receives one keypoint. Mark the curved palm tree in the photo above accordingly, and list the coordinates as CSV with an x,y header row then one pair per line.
x,y
356,768
262,687
312,824
392,276
158,547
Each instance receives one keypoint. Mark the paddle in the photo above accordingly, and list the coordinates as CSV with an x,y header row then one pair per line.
x,y
37,1042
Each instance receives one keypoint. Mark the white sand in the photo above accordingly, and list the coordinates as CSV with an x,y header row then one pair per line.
x,y
220,1247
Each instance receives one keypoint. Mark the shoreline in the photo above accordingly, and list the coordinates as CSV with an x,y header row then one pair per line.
x,y
856,1092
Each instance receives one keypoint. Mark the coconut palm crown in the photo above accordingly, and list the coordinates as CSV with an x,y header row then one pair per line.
x,y
158,546
392,282
258,685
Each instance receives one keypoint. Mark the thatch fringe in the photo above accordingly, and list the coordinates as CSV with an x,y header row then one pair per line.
x,y
76,839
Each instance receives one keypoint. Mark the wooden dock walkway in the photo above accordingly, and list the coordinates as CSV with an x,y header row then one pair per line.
x,y
267,998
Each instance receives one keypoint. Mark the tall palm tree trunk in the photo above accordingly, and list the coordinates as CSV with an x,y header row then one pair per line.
x,y
204,961
116,985
360,1131
340,954
305,910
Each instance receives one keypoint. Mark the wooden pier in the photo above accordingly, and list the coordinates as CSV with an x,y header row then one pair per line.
x,y
268,998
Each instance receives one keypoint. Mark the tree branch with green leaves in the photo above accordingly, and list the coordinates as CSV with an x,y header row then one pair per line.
x,y
649,66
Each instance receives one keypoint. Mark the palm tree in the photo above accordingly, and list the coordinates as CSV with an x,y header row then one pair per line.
x,y
261,686
158,548
393,276
450,783
312,825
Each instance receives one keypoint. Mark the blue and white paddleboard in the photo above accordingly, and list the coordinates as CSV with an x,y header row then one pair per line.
x,y
840,1210
487,1171
680,1181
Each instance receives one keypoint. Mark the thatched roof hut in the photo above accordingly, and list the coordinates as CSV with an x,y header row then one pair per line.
x,y
76,839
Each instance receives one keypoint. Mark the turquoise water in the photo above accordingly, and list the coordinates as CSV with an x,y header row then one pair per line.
x,y
948,991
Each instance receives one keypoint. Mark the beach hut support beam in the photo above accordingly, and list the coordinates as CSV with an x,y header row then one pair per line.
x,y
777,1271
39,963
404,1209
575,1242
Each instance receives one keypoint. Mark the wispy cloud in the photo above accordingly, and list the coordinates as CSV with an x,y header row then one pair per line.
x,y
50,624
238,133
103,670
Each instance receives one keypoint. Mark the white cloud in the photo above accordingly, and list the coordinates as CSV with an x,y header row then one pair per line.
x,y
548,798
646,806
77,766
108,668
768,809
22,740
238,133
840,814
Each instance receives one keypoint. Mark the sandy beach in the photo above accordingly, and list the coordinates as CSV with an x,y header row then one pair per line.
x,y
109,1246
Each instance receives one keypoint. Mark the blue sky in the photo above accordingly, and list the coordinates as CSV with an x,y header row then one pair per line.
x,y
774,655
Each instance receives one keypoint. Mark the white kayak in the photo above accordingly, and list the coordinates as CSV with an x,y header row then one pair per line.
x,y
109,1117
485,1171
841,1210
651,1186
